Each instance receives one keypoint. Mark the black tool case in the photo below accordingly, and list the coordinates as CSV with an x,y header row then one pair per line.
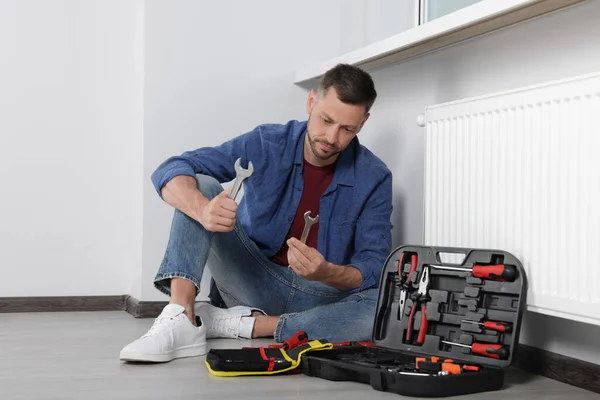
x,y
452,297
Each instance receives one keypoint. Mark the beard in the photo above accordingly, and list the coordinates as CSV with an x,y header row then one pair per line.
x,y
317,151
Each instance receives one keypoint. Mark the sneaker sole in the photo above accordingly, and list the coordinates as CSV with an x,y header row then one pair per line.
x,y
189,351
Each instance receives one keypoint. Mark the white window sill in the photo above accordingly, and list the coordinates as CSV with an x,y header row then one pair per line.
x,y
472,21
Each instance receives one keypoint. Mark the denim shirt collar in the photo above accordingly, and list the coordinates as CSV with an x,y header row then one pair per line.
x,y
344,171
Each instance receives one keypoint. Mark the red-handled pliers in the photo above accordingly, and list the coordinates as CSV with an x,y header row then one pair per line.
x,y
413,268
419,303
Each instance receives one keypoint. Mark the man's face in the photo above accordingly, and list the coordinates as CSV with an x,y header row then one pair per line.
x,y
332,125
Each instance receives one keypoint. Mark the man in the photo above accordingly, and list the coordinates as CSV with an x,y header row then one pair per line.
x,y
266,281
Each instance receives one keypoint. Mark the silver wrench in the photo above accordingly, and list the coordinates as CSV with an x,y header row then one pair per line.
x,y
241,174
308,223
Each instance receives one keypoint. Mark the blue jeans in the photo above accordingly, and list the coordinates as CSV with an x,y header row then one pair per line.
x,y
243,275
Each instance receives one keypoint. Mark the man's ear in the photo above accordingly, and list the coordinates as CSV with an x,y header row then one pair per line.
x,y
367,115
310,102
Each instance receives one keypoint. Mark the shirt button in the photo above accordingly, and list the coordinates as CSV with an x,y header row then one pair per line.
x,y
299,189
290,218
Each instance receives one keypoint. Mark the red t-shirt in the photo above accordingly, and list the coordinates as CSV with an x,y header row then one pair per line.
x,y
316,181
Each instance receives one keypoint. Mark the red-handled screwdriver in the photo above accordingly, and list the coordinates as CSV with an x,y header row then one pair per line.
x,y
493,325
434,364
499,272
490,350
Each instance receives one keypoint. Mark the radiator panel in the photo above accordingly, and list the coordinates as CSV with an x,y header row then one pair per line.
x,y
520,171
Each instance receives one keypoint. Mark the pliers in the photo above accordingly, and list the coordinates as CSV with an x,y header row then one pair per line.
x,y
413,268
419,303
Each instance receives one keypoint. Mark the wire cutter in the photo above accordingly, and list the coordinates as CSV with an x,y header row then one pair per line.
x,y
419,303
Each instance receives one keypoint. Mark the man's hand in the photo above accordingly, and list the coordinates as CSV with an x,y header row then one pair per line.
x,y
306,261
218,214
309,264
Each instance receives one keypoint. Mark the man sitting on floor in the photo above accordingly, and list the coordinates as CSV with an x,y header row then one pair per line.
x,y
266,282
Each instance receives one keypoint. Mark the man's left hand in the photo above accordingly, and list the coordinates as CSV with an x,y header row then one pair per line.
x,y
306,261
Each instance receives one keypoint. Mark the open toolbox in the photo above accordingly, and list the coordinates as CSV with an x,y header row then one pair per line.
x,y
440,328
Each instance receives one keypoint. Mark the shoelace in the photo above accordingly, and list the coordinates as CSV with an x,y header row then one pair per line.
x,y
159,325
226,323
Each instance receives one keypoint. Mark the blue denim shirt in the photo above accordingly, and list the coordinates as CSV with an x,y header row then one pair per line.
x,y
355,210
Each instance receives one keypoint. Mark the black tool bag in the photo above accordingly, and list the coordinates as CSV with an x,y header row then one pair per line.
x,y
433,321
269,360
263,360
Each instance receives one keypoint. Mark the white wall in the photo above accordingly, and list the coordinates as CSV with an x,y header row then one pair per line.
x,y
70,146
553,47
367,21
215,70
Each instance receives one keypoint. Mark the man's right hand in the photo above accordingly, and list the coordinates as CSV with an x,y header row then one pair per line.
x,y
218,215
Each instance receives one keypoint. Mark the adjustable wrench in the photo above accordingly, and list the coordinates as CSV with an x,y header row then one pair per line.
x,y
308,223
241,174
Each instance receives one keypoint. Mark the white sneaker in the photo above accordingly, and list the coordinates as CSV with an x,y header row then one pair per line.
x,y
232,323
171,336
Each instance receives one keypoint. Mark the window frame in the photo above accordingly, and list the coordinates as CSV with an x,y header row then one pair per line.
x,y
421,8
466,23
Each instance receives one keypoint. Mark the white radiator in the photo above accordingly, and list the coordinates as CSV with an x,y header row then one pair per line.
x,y
520,171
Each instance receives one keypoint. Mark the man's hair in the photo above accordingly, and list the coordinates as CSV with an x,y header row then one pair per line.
x,y
352,85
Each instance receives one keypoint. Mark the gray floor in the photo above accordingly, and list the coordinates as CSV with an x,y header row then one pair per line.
x,y
75,356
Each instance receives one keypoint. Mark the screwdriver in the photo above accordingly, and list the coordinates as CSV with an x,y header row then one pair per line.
x,y
451,368
490,350
493,325
433,365
441,373
499,272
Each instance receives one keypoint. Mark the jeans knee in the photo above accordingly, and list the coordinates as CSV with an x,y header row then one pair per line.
x,y
208,186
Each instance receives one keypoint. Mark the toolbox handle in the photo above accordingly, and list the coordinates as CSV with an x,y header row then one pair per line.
x,y
447,257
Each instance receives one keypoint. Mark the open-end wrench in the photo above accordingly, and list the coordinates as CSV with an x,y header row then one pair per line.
x,y
308,223
241,174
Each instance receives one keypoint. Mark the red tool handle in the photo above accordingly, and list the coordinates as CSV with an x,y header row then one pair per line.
x,y
400,266
432,359
410,323
413,267
453,369
298,339
498,326
490,350
424,326
499,272
434,365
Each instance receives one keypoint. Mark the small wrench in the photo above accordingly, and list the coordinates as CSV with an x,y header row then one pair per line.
x,y
241,174
308,223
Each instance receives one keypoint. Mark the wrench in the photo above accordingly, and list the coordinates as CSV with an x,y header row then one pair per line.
x,y
241,174
308,223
